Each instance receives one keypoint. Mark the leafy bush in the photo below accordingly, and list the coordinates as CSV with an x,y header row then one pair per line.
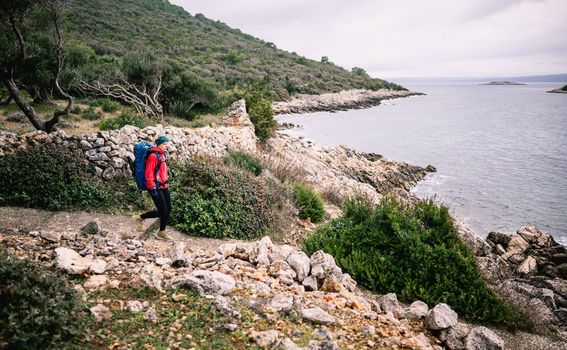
x,y
38,308
91,114
215,200
414,251
51,177
183,110
244,161
106,104
262,116
120,121
308,202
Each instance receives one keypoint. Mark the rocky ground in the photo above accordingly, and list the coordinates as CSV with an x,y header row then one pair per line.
x,y
350,99
268,295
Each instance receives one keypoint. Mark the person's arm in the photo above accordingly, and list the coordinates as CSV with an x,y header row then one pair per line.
x,y
151,165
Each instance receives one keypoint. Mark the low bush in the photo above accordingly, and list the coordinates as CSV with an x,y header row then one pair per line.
x,y
244,161
262,116
216,200
121,121
38,307
308,202
91,114
414,251
106,104
50,177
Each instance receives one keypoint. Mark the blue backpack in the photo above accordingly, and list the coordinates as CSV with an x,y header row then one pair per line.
x,y
141,154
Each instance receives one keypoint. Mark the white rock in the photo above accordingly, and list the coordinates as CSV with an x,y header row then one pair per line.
x,y
163,261
205,282
265,338
95,281
259,253
134,306
50,236
310,283
72,262
441,317
417,310
151,277
101,312
281,270
455,337
317,315
389,303
151,315
482,338
323,265
528,267
300,263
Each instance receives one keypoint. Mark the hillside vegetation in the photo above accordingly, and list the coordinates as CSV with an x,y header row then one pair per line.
x,y
211,49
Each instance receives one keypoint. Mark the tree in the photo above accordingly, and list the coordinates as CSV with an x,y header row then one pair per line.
x,y
325,59
20,22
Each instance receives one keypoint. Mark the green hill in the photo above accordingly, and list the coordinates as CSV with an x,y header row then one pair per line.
x,y
212,50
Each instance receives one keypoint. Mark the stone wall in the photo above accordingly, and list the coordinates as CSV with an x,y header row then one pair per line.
x,y
111,151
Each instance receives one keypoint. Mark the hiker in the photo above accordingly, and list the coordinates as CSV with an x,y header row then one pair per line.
x,y
156,183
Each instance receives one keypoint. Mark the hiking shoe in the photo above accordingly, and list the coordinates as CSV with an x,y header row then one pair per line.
x,y
161,234
139,222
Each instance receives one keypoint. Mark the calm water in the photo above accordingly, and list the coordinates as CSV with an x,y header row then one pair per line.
x,y
500,151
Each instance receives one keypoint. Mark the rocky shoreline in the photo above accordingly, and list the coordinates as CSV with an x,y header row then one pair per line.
x,y
340,101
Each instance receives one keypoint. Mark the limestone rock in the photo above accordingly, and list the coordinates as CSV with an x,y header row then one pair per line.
x,y
317,315
72,262
323,265
95,281
482,338
528,267
389,303
205,282
281,270
300,263
50,236
151,315
455,337
100,312
152,277
265,338
310,283
134,306
223,305
441,317
417,310
259,253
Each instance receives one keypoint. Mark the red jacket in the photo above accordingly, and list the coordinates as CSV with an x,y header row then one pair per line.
x,y
151,165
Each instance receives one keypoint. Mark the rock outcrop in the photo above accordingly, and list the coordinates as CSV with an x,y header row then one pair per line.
x,y
344,100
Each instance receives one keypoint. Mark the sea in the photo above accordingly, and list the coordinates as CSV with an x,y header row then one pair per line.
x,y
500,151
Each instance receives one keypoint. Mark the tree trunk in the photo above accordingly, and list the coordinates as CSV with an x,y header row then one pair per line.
x,y
23,104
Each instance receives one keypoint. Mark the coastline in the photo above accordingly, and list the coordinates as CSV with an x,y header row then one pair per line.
x,y
339,101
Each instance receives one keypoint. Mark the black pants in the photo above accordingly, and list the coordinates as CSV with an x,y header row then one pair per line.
x,y
163,205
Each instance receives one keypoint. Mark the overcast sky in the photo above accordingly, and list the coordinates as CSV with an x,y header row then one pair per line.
x,y
408,38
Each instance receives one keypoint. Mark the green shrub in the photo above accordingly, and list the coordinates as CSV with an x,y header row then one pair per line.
x,y
120,121
106,104
38,308
183,110
244,161
216,200
262,116
91,114
308,202
51,177
414,251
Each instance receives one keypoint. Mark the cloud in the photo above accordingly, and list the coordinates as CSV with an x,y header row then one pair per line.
x,y
409,37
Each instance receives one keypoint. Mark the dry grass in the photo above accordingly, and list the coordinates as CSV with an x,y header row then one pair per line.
x,y
284,170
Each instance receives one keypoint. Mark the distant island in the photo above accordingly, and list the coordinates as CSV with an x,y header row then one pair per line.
x,y
503,83
562,90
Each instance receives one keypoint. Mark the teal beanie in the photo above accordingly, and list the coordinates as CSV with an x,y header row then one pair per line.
x,y
161,139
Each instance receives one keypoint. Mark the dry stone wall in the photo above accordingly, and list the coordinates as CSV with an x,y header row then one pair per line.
x,y
111,151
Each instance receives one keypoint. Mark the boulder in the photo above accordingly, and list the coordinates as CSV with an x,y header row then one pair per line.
x,y
417,310
323,265
259,253
150,276
300,263
205,282
281,270
441,317
482,338
72,262
178,256
50,236
528,267
310,283
265,338
95,281
92,228
317,315
348,282
529,234
455,337
389,303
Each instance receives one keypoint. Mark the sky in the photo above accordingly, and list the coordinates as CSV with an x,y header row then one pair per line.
x,y
408,38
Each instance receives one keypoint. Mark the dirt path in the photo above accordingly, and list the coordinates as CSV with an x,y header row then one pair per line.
x,y
42,220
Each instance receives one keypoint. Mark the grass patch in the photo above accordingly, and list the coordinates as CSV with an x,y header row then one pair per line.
x,y
414,251
121,121
244,161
